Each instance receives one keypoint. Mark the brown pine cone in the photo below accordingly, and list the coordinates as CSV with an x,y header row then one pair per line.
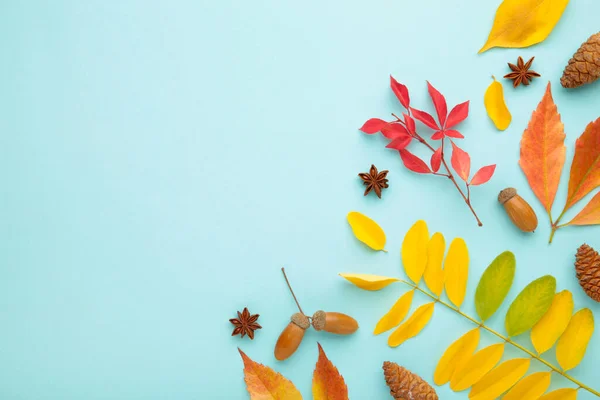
x,y
404,385
587,265
584,67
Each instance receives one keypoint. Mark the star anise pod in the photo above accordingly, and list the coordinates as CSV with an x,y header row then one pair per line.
x,y
521,72
374,180
245,324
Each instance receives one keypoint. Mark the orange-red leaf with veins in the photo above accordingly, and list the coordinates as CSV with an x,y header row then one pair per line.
x,y
585,170
328,384
265,384
543,150
590,215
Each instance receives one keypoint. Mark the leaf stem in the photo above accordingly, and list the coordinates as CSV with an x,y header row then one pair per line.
x,y
291,290
504,338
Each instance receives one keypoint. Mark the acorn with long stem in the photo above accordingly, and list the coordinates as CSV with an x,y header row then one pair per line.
x,y
292,335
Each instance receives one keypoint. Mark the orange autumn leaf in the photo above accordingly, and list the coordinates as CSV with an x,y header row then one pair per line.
x,y
590,215
263,383
585,170
328,384
543,150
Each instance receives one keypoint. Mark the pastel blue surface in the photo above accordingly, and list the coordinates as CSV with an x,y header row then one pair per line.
x,y
159,164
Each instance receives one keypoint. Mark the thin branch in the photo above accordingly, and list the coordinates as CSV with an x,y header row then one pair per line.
x,y
504,338
291,290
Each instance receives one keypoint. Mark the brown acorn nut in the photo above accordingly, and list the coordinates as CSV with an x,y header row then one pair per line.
x,y
334,322
291,337
518,210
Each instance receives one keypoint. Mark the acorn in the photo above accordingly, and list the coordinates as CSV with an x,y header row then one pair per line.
x,y
334,322
291,337
518,210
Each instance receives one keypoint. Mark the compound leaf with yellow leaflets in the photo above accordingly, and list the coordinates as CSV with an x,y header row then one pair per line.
x,y
530,387
434,274
500,379
413,326
561,394
368,281
530,305
454,356
495,284
414,250
573,343
476,366
366,230
396,314
264,383
552,325
456,271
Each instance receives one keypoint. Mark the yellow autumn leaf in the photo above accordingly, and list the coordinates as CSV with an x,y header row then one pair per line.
x,y
456,271
414,250
552,325
434,274
366,230
500,379
530,387
561,394
476,366
573,343
396,314
523,23
495,105
413,326
454,356
368,281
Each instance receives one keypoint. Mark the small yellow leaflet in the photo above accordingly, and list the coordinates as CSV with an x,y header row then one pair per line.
x,y
500,379
573,343
434,274
396,314
456,271
530,388
454,356
476,367
366,230
414,250
552,325
368,281
561,394
413,326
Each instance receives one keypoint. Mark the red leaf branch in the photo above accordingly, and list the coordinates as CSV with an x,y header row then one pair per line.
x,y
403,131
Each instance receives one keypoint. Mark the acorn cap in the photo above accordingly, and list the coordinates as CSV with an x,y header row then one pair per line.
x,y
318,320
301,320
506,195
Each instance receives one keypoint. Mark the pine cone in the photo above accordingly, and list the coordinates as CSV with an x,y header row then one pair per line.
x,y
587,265
584,67
404,385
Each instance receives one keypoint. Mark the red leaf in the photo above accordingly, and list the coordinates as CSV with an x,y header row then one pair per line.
x,y
413,162
461,162
425,118
438,135
483,175
410,123
436,159
458,114
400,91
454,134
400,142
373,125
393,130
439,102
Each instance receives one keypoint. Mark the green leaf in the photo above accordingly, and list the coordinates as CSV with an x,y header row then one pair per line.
x,y
530,305
495,284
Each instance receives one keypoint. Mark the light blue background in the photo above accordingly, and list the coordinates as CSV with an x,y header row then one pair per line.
x,y
159,163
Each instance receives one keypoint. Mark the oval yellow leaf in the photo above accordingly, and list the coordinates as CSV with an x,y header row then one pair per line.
x,y
413,326
496,106
573,343
366,230
396,314
434,274
500,379
456,271
530,305
476,366
552,325
530,388
561,394
454,356
368,281
523,23
414,250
